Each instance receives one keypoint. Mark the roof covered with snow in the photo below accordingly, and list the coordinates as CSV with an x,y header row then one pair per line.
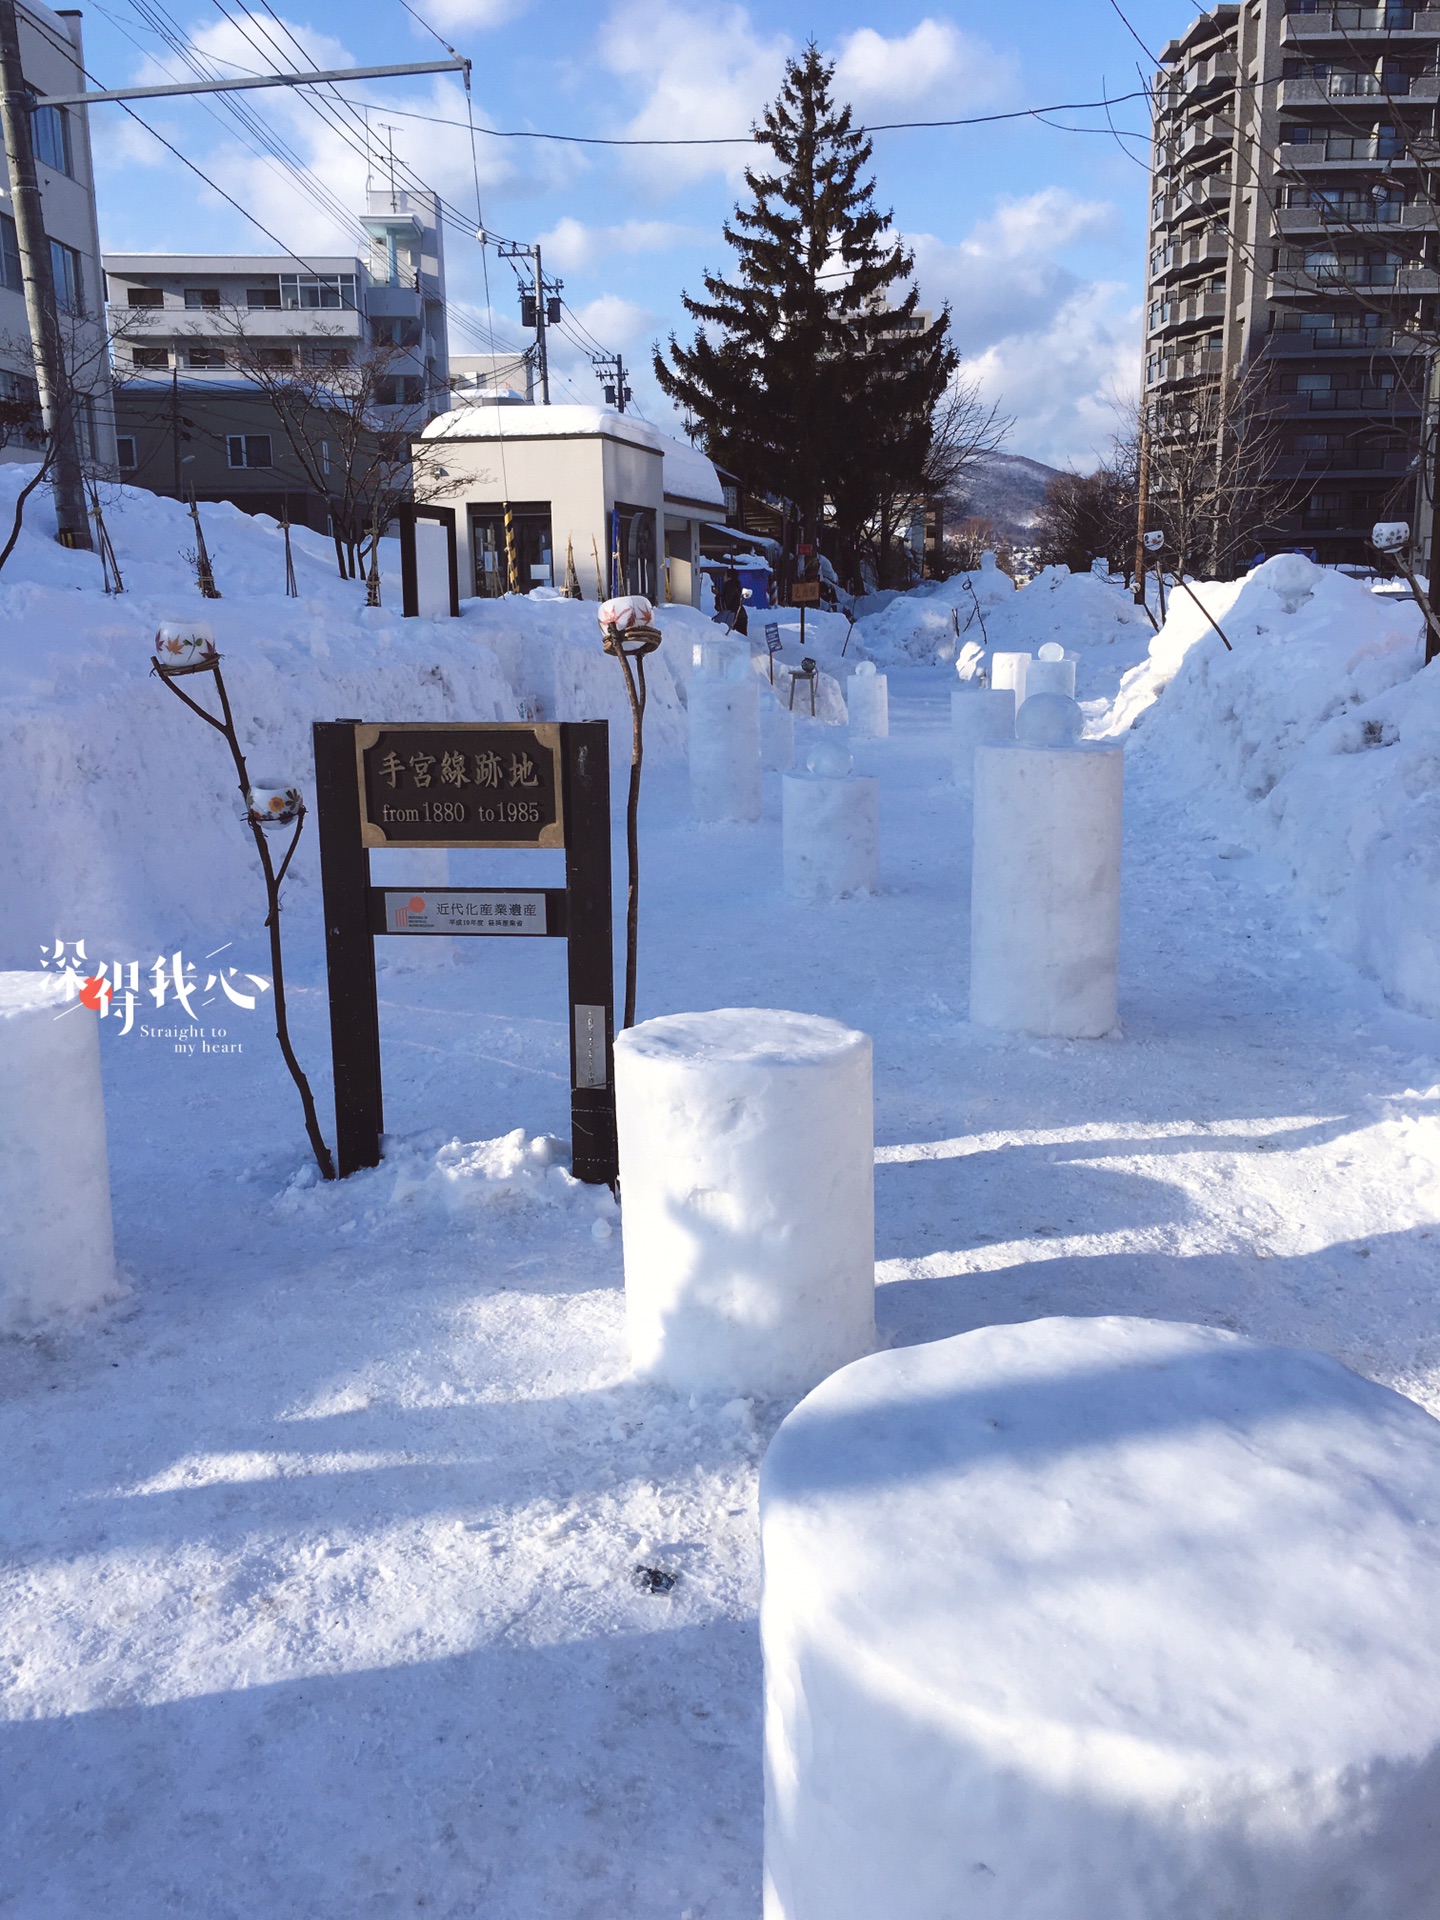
x,y
689,475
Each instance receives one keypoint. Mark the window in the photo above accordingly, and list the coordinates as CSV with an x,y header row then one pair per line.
x,y
262,296
126,457
199,298
145,297
249,450
50,130
206,356
69,286
328,356
399,390
331,290
150,356
10,274
275,356
530,520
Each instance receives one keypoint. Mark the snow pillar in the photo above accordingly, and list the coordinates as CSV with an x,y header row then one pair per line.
x,y
724,722
867,699
831,833
1050,676
1101,1619
777,733
1045,889
57,1248
978,716
747,1175
1008,670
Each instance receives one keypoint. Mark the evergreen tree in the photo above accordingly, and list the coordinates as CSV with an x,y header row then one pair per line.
x,y
807,372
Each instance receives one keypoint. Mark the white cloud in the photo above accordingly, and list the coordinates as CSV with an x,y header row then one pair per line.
x,y
936,61
706,75
473,13
572,247
1046,344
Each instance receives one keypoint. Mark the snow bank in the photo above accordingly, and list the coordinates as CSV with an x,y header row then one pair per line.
x,y
1092,617
1101,1619
1316,742
120,808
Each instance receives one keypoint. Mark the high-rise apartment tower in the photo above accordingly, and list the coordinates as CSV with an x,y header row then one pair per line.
x,y
1293,248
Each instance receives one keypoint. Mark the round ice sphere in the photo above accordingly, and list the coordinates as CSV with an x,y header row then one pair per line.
x,y
865,668
1049,720
1052,650
829,758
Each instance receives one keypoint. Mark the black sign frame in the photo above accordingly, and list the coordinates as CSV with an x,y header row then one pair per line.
x,y
580,914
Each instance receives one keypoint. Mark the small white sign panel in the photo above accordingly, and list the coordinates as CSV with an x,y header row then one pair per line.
x,y
441,912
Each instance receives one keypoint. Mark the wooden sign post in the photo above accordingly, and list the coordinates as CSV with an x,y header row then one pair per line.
x,y
463,784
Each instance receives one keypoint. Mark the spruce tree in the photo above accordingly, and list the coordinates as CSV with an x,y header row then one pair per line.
x,y
812,375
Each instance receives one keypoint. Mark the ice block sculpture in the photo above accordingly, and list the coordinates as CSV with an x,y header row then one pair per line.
x,y
1051,671
57,1248
1009,670
1045,881
723,701
830,827
978,715
746,1171
867,698
777,732
1101,1619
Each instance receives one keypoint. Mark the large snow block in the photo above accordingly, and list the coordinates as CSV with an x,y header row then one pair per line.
x,y
867,702
1045,889
979,716
1101,1620
724,719
57,1247
747,1177
830,828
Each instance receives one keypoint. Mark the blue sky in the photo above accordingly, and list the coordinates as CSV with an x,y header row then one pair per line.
x,y
1033,234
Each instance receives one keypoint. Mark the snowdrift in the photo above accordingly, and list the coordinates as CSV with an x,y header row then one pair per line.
x,y
1315,742
122,822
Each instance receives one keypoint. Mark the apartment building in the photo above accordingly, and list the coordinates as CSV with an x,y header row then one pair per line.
x,y
1293,246
185,328
52,57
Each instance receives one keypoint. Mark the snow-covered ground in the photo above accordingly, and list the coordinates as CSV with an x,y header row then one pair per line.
x,y
319,1589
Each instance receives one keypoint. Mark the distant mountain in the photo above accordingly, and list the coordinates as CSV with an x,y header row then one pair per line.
x,y
1004,487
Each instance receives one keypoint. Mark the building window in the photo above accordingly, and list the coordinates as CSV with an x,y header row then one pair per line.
x,y
144,296
328,356
534,560
69,286
10,274
399,390
150,356
206,356
331,290
50,129
249,450
198,299
126,457
262,296
275,356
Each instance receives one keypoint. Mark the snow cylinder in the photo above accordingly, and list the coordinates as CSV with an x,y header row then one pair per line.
x,y
1045,888
867,700
57,1245
978,715
748,1217
1101,1617
1051,676
724,726
830,827
777,733
1009,670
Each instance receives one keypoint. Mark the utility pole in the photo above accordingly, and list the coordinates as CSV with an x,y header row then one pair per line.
x,y
615,389
538,307
1142,506
57,394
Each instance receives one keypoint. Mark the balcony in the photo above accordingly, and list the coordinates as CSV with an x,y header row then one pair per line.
x,y
1362,211
1386,400
158,326
1288,343
1209,135
1216,71
1341,88
1207,362
1344,23
1342,149
1339,461
1372,279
